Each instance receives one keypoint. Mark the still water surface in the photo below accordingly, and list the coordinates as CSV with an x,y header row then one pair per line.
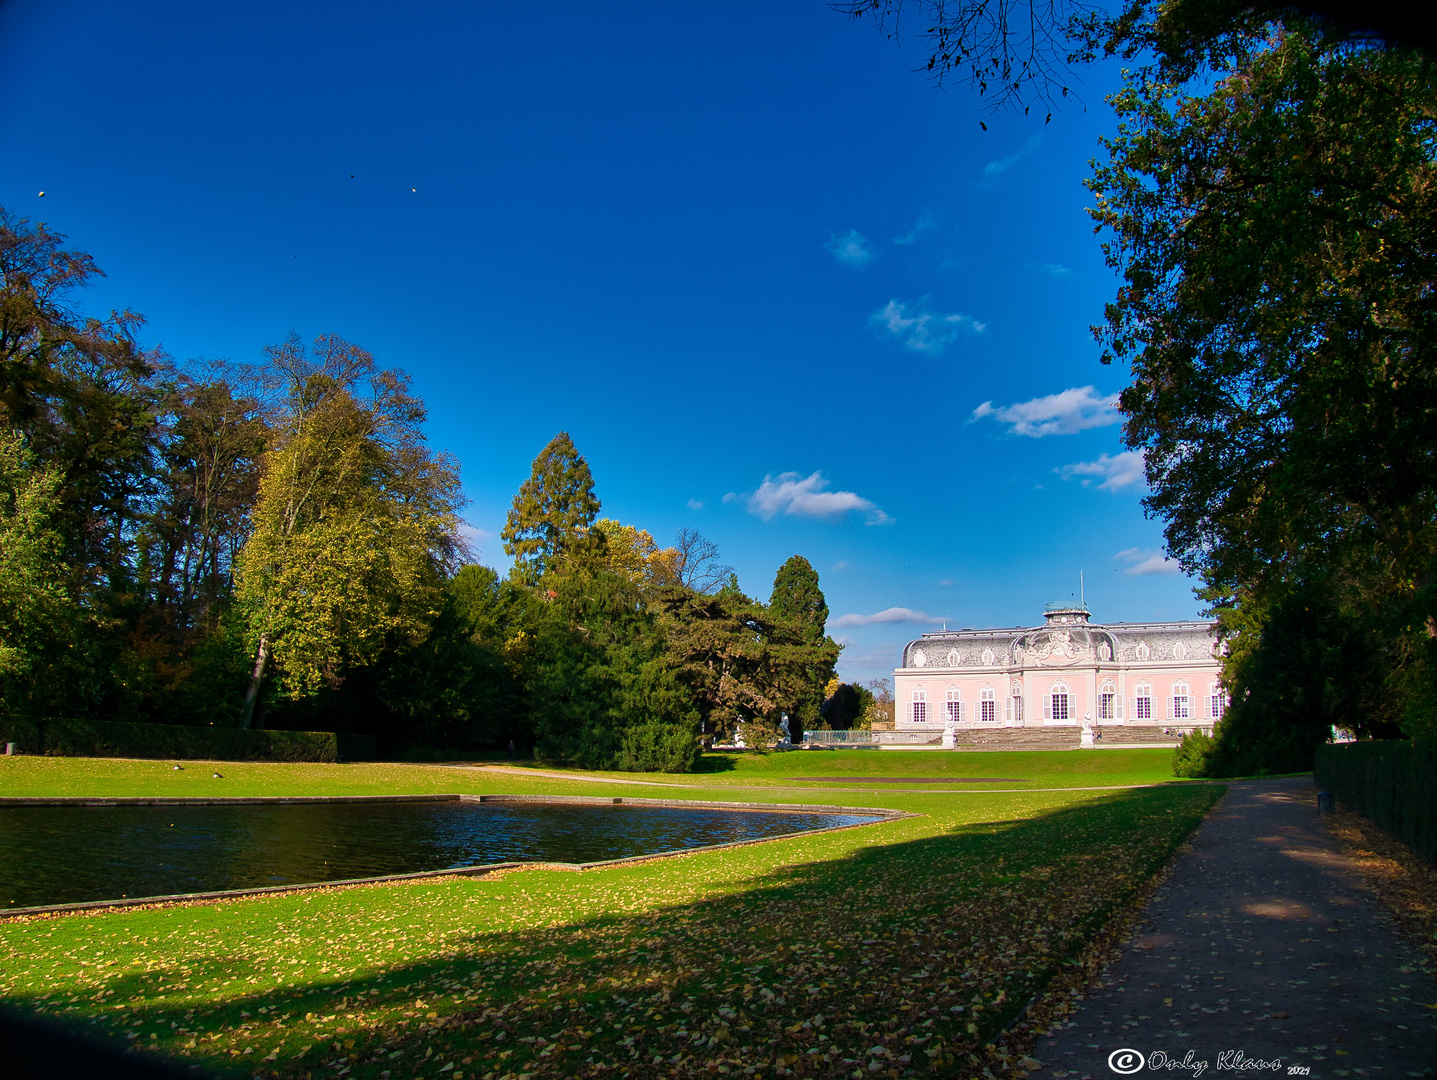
x,y
72,854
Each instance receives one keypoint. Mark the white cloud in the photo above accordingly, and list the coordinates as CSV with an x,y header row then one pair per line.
x,y
879,618
804,496
1143,562
922,225
474,538
851,249
729,497
840,565
1002,165
696,504
1056,270
922,329
1117,472
1064,413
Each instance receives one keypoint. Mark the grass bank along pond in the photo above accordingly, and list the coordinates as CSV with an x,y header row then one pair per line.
x,y
894,950
61,854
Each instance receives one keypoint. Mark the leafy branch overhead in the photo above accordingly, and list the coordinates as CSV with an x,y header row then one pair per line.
x,y
1018,54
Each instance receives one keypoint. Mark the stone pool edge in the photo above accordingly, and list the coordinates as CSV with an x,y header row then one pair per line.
x,y
882,814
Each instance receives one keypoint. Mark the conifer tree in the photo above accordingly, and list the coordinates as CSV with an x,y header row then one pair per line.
x,y
796,596
554,508
800,611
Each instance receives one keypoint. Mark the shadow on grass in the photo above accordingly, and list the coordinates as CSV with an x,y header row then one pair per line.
x,y
715,762
906,955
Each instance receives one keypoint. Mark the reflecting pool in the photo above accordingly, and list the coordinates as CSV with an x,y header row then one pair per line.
x,y
74,854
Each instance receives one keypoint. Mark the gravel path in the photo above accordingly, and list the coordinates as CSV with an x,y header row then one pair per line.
x,y
1263,946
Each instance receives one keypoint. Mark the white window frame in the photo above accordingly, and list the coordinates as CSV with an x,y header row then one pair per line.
x,y
987,706
1142,702
1050,706
918,708
954,706
1217,701
1182,702
1108,700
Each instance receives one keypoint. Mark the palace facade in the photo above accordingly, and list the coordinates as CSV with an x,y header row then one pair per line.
x,y
1161,674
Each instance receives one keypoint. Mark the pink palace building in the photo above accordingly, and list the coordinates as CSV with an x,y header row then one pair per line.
x,y
1162,674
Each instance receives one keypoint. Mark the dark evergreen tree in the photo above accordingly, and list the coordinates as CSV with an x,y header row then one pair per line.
x,y
800,611
552,511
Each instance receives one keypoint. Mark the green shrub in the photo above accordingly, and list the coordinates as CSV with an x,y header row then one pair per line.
x,y
60,737
657,747
1389,782
1193,756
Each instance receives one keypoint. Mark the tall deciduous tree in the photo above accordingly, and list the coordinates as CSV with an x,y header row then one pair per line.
x,y
1277,235
355,523
86,399
552,511
697,563
40,625
1021,53
209,477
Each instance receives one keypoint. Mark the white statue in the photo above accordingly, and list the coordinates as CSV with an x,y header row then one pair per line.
x,y
950,735
1086,739
787,739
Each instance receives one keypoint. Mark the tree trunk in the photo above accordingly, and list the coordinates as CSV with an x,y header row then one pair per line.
x,y
251,694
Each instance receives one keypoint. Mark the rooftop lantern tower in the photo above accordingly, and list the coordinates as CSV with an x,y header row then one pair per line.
x,y
1064,614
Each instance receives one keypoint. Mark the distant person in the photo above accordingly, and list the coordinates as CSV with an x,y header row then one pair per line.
x,y
511,749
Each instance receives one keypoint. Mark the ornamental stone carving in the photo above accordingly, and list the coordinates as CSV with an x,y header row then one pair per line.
x,y
953,658
1105,651
920,658
988,657
1059,648
1142,652
1180,651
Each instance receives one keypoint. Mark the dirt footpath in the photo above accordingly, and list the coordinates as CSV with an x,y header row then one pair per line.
x,y
1263,953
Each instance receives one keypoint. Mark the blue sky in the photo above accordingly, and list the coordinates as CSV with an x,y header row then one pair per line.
x,y
777,286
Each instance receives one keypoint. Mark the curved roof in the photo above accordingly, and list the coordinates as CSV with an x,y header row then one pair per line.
x,y
1061,643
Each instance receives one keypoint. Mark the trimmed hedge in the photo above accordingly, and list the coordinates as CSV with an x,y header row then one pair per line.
x,y
1392,783
59,737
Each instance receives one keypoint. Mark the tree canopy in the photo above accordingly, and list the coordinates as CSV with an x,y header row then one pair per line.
x,y
1274,233
1017,54
355,524
277,545
553,509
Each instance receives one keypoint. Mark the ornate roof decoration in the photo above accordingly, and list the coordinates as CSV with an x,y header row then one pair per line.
x,y
1066,639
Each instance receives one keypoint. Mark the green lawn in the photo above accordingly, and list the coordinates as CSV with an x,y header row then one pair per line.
x,y
109,777
801,956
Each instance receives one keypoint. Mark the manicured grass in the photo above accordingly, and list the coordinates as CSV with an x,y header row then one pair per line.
x,y
1074,768
921,936
111,777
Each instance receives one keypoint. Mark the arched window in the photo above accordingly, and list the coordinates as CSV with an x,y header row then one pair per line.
x,y
1108,700
1015,705
988,705
1182,702
955,705
1058,703
1217,701
920,706
1142,702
